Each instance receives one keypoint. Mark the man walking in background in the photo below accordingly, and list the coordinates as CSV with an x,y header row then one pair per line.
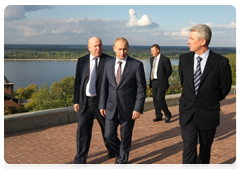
x,y
86,97
161,70
206,79
122,98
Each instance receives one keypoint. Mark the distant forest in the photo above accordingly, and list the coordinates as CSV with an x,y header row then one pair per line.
x,y
17,51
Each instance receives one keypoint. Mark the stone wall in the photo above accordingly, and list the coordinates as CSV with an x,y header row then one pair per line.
x,y
59,116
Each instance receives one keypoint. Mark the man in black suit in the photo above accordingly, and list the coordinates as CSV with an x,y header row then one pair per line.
x,y
86,97
122,98
161,70
206,79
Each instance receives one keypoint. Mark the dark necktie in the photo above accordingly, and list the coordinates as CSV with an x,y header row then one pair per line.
x,y
118,77
92,87
197,75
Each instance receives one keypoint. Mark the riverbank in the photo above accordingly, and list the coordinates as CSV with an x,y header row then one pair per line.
x,y
65,59
37,59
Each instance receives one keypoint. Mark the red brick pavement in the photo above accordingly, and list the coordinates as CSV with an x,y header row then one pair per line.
x,y
152,143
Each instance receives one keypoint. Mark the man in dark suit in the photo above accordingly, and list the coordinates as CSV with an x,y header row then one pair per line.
x,y
122,98
206,79
161,70
86,97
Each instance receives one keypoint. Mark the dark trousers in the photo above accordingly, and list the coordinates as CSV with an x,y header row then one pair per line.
x,y
159,100
121,148
84,131
190,133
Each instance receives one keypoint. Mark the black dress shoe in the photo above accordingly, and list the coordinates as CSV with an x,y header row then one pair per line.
x,y
167,119
80,161
117,160
81,166
157,119
111,155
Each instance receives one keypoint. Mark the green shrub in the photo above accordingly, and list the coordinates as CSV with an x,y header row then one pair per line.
x,y
8,110
26,93
232,62
60,94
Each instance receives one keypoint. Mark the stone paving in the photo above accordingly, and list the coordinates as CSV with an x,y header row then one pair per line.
x,y
152,142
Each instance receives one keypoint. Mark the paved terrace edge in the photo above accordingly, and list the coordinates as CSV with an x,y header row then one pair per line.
x,y
60,116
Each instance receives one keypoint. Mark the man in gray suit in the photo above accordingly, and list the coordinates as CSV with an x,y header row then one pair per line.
x,y
122,98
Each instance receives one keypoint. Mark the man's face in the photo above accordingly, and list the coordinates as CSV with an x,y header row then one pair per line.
x,y
195,44
155,52
121,49
95,47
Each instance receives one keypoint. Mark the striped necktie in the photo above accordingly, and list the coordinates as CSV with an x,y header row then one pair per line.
x,y
197,75
92,88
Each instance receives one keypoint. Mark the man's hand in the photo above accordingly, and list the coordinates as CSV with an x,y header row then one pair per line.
x,y
76,107
103,112
135,115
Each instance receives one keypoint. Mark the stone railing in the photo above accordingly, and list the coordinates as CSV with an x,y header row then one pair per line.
x,y
59,116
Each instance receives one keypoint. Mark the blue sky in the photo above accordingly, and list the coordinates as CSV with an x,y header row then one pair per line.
x,y
166,25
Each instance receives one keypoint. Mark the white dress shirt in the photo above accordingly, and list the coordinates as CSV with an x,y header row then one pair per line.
x,y
203,62
124,61
92,64
156,60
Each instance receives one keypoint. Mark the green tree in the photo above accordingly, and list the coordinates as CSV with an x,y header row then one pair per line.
x,y
60,94
39,100
232,62
63,90
25,93
174,82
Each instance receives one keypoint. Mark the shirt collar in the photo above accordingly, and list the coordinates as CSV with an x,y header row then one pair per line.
x,y
204,56
92,57
158,56
124,60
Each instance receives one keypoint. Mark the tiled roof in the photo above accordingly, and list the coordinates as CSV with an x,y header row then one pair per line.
x,y
6,81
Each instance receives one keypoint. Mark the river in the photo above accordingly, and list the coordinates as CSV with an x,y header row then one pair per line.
x,y
25,72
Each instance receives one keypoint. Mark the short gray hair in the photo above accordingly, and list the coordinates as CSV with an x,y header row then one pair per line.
x,y
204,31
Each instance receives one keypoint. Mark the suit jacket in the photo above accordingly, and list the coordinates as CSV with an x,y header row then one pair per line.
x,y
215,84
82,77
129,95
164,71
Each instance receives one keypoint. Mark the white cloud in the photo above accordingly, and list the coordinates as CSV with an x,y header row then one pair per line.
x,y
232,25
79,30
156,34
14,12
134,22
184,32
17,12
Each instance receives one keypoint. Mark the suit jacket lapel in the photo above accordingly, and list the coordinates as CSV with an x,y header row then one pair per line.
x,y
100,65
87,65
159,63
151,62
190,64
86,68
151,65
112,72
209,65
126,69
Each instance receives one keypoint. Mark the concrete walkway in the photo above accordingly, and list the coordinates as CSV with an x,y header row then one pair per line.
x,y
152,142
